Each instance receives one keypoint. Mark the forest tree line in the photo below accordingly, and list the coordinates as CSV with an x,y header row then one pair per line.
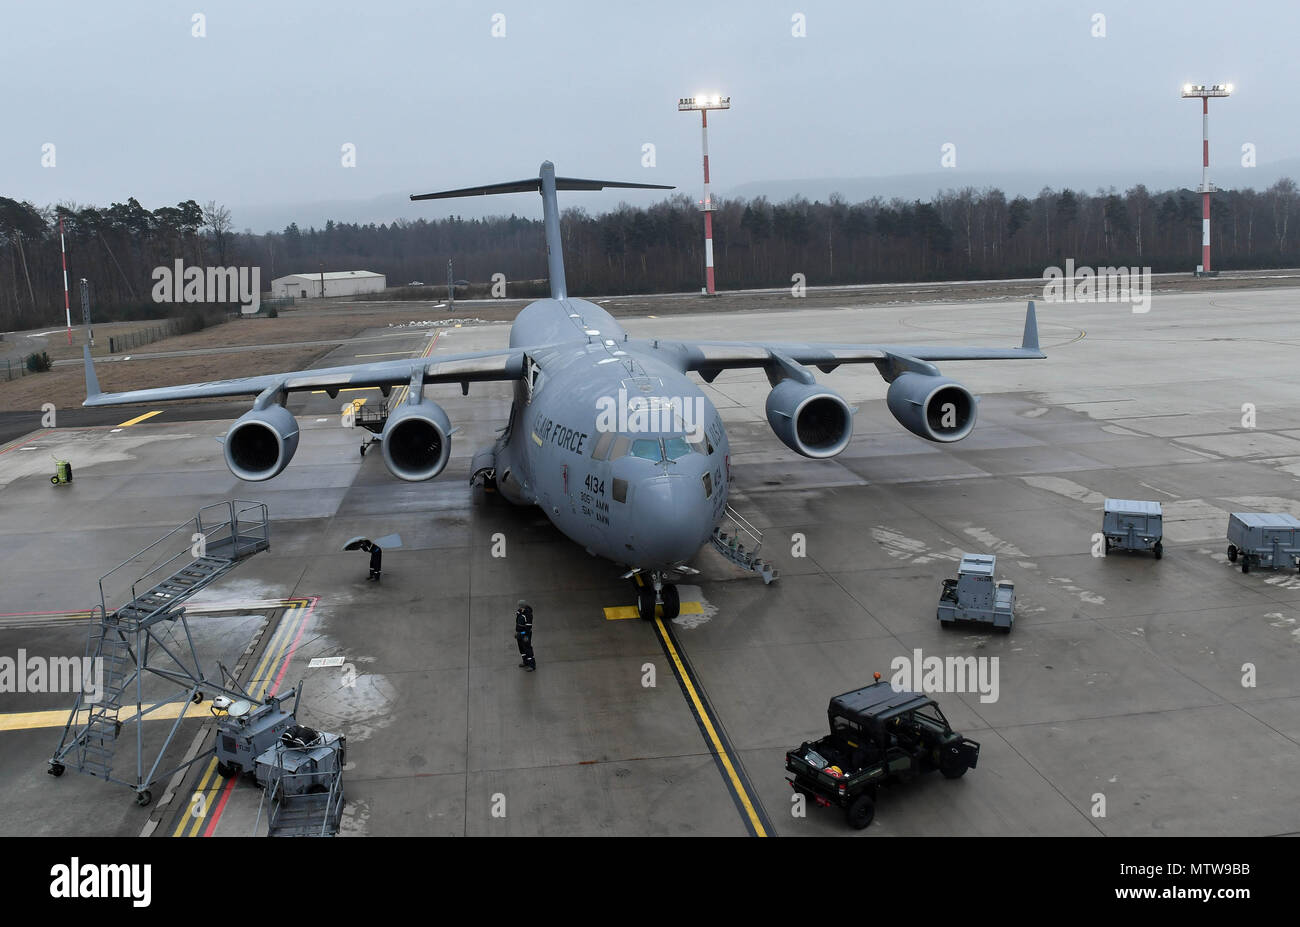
x,y
958,235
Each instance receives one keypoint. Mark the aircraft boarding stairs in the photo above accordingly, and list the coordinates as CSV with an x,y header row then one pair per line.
x,y
148,636
730,545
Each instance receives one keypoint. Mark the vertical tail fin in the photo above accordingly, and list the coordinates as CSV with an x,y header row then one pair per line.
x,y
92,381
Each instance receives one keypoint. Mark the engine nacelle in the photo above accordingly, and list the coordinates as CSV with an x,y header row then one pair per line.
x,y
261,443
809,419
935,408
417,440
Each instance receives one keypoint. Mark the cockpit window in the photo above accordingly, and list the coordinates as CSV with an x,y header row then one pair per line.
x,y
620,447
675,448
601,450
647,449
700,441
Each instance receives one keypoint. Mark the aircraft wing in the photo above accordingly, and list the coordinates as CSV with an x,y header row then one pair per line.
x,y
453,368
710,358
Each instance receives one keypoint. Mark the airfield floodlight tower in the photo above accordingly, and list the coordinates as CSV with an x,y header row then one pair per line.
x,y
85,311
1204,92
704,103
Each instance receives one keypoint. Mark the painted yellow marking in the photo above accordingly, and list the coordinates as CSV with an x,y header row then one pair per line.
x,y
350,389
537,440
428,349
140,418
261,678
386,354
620,612
703,717
32,720
190,816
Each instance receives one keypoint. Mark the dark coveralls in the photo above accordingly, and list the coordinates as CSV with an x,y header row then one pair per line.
x,y
524,637
376,558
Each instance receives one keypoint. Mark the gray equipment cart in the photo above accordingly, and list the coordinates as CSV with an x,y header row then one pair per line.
x,y
247,730
975,596
1263,539
302,775
1131,524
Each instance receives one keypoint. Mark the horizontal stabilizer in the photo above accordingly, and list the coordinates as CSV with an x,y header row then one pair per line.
x,y
534,184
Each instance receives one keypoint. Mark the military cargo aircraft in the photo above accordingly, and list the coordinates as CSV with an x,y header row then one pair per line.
x,y
608,435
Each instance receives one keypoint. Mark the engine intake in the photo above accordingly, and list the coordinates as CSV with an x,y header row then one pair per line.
x,y
809,419
261,443
935,408
417,441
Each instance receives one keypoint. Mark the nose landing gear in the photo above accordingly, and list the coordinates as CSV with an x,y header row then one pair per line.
x,y
653,590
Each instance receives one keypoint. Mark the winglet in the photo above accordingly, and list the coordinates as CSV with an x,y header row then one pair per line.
x,y
92,381
1030,341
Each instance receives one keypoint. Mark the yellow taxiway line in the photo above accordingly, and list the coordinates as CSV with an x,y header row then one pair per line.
x,y
140,418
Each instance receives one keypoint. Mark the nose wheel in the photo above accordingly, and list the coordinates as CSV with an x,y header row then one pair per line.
x,y
652,591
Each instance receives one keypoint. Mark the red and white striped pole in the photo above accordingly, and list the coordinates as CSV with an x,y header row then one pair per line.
x,y
67,307
1204,92
708,207
1205,184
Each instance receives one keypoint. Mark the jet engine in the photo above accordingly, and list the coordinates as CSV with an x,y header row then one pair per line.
x,y
935,408
261,443
417,440
809,419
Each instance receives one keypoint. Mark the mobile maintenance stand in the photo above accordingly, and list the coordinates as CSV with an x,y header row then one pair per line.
x,y
1130,524
148,637
372,420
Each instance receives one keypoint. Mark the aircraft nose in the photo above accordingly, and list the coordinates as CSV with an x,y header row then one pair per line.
x,y
673,520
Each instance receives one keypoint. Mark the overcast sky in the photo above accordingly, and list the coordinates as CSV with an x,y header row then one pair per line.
x,y
256,111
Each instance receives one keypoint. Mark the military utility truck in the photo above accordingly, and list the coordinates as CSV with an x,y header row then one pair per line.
x,y
877,735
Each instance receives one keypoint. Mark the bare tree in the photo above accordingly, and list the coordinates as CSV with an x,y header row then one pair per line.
x,y
216,219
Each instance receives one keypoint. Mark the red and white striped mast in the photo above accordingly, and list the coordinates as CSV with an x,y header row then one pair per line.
x,y
67,307
704,103
1203,92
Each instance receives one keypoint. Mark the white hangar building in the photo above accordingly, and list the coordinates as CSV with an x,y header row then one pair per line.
x,y
337,283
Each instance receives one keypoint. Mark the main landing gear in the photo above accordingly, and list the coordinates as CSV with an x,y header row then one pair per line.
x,y
652,590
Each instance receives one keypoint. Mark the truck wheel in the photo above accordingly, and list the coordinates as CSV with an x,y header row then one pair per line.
x,y
861,812
226,771
1245,564
1232,553
1160,550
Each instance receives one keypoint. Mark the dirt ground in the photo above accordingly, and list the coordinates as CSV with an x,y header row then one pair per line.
x,y
331,322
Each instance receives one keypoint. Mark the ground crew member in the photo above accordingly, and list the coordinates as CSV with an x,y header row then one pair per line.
x,y
376,559
524,635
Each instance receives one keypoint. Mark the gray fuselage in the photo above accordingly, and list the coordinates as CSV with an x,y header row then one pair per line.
x,y
643,486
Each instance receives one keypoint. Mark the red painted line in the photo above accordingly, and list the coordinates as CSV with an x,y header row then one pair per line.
x,y
221,806
302,626
216,813
198,607
15,447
